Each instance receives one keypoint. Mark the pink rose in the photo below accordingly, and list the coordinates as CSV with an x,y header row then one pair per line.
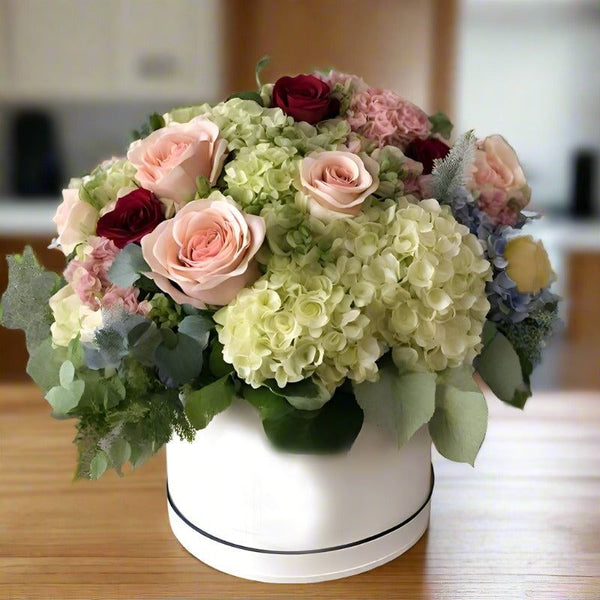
x,y
386,118
337,183
75,221
205,254
170,159
498,181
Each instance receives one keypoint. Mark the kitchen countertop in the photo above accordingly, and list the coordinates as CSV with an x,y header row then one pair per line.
x,y
523,523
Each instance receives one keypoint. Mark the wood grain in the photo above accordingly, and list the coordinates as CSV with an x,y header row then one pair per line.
x,y
524,524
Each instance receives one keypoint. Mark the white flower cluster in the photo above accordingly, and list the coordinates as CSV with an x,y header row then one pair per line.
x,y
400,275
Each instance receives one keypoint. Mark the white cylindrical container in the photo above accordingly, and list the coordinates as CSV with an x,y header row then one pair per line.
x,y
247,509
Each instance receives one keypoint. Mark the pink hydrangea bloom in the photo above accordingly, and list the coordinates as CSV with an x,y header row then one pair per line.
x,y
386,118
89,278
126,298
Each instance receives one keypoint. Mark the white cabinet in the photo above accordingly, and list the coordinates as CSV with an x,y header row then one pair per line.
x,y
110,49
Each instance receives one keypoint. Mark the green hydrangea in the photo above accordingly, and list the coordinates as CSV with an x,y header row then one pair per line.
x,y
394,170
267,147
102,185
400,275
165,312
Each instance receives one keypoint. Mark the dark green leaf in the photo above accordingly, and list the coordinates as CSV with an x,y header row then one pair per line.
x,y
260,65
156,121
202,405
198,327
332,428
128,266
248,96
218,367
180,364
441,124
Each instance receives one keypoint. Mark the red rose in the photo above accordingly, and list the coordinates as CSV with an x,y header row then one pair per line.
x,y
134,215
304,98
425,151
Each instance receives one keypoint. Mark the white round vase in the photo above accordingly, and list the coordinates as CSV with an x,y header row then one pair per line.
x,y
249,510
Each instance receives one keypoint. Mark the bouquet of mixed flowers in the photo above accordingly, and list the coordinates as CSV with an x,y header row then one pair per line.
x,y
317,248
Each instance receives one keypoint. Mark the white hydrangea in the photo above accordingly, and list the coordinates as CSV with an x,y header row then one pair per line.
x,y
72,318
400,275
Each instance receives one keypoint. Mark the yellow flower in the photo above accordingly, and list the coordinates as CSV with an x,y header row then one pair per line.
x,y
528,264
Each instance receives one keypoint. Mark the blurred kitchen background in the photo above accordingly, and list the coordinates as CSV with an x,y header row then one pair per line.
x,y
76,76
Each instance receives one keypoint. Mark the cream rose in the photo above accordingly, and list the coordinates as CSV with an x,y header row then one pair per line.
x,y
170,159
498,180
205,254
497,164
337,183
528,264
75,221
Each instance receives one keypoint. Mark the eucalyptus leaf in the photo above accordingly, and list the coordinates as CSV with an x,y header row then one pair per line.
x,y
128,266
459,423
399,402
178,364
202,405
66,373
119,452
44,364
62,400
500,367
198,327
98,465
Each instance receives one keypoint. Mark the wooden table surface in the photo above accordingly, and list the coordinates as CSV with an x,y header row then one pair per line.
x,y
525,523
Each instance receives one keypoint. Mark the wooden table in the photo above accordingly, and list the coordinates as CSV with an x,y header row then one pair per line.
x,y
525,523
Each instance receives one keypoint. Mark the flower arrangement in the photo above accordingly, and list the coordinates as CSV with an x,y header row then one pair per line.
x,y
317,248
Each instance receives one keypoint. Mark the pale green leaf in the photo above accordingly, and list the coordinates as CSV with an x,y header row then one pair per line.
x,y
98,465
499,366
66,373
441,124
401,403
62,400
128,266
459,423
119,452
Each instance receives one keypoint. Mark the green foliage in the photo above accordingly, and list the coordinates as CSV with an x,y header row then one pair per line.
x,y
332,428
179,359
65,397
441,124
218,367
529,336
501,368
203,187
154,122
203,404
459,423
165,311
451,173
128,266
260,65
304,395
255,96
25,301
399,402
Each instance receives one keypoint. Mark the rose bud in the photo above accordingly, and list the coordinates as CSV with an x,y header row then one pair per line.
x,y
133,216
304,98
426,151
